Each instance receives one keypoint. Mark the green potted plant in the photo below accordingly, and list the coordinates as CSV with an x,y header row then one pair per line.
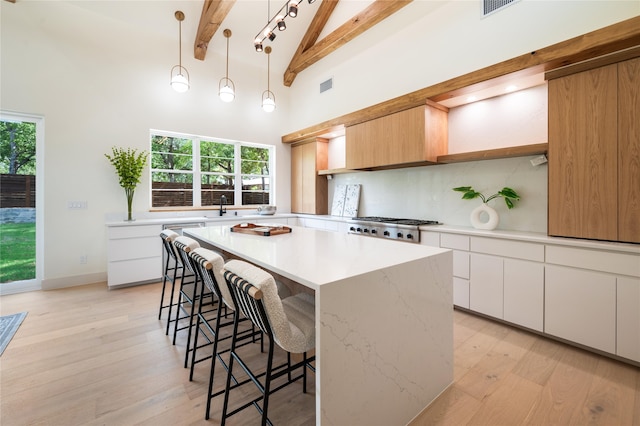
x,y
468,193
129,165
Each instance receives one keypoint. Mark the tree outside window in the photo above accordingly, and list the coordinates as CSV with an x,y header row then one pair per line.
x,y
191,171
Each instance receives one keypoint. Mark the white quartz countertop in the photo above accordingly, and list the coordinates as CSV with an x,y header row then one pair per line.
x,y
535,237
314,257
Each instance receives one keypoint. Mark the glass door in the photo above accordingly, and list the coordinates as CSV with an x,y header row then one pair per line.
x,y
21,202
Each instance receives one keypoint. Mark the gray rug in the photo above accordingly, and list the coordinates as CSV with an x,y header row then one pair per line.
x,y
8,326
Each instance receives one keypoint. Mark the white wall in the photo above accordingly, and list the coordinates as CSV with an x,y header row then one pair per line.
x,y
101,82
412,50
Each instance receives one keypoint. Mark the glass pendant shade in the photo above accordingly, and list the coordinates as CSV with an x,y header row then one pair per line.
x,y
179,79
268,101
226,90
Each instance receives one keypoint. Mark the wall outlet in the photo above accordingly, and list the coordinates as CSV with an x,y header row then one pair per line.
x,y
77,205
83,259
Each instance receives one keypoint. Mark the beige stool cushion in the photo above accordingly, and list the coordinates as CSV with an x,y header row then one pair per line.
x,y
292,319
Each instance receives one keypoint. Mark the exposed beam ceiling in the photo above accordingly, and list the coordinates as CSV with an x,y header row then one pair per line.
x,y
213,13
309,53
311,36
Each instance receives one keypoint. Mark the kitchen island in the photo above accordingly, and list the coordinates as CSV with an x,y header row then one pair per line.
x,y
384,317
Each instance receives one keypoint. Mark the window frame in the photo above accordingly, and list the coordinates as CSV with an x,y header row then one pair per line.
x,y
197,172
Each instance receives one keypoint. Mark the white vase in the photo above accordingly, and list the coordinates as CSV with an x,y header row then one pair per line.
x,y
477,219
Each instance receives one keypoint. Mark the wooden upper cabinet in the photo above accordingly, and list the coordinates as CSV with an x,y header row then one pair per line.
x,y
417,135
309,191
594,156
629,150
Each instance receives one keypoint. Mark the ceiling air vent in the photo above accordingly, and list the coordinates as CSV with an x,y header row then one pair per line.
x,y
491,6
326,85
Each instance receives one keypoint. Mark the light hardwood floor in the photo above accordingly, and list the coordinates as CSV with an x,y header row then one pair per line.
x,y
87,355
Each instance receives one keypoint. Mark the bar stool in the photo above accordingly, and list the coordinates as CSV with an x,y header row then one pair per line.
x,y
289,323
208,265
171,268
192,292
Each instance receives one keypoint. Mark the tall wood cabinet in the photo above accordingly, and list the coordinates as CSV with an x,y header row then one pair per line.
x,y
594,151
416,135
309,192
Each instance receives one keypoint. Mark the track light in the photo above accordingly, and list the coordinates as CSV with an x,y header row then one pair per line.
x,y
293,9
289,8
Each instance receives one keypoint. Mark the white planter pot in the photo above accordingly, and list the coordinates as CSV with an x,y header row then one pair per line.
x,y
477,217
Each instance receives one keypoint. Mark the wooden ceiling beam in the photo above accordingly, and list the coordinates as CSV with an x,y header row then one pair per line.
x,y
213,13
311,36
376,12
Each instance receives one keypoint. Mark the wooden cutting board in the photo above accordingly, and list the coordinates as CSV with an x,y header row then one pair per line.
x,y
264,230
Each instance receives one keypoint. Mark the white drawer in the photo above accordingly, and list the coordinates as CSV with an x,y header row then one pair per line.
x,y
116,232
595,260
508,248
461,292
132,271
454,241
431,239
137,248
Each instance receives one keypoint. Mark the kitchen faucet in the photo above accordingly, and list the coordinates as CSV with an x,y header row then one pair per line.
x,y
223,200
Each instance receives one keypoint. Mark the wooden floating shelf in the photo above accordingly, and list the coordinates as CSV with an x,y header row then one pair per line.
x,y
336,171
492,154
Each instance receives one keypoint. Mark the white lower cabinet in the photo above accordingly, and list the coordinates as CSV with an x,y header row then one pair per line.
x,y
586,295
134,254
580,306
486,285
461,292
460,246
524,293
628,318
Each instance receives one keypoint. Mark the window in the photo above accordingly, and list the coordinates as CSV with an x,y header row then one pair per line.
x,y
195,171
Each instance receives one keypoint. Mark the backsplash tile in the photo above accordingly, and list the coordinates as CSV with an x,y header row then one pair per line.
x,y
426,192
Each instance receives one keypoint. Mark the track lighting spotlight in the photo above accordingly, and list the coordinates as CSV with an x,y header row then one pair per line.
x,y
293,9
281,25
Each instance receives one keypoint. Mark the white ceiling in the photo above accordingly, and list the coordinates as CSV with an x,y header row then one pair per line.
x,y
245,20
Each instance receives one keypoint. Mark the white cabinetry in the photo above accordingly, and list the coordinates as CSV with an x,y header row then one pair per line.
x,y
460,246
581,306
628,318
593,298
579,291
507,280
486,284
134,253
524,293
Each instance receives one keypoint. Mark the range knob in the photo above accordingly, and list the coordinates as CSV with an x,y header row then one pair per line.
x,y
352,229
409,237
366,230
359,229
399,234
386,233
373,231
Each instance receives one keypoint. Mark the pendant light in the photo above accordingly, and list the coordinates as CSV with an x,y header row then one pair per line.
x,y
179,74
226,88
268,98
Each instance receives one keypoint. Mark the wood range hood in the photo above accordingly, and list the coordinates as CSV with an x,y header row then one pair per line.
x,y
607,40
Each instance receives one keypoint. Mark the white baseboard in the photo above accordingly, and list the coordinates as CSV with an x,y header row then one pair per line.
x,y
76,280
